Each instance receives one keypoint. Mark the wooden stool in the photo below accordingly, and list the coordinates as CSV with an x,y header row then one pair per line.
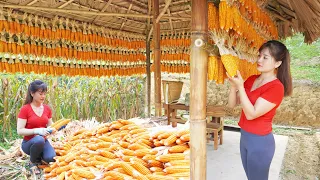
x,y
216,130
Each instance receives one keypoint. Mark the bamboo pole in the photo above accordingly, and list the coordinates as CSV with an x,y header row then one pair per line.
x,y
148,61
157,65
198,89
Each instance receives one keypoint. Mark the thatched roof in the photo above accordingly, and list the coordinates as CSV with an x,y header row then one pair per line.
x,y
133,15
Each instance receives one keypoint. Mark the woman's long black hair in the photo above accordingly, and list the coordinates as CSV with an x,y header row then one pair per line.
x,y
35,86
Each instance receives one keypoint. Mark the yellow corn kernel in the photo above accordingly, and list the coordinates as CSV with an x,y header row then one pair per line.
x,y
185,137
165,135
105,138
61,176
170,140
63,169
156,169
178,163
113,166
129,169
171,157
117,175
107,154
134,159
155,163
128,152
136,146
181,175
124,144
178,148
145,141
176,169
149,157
159,177
141,168
103,130
84,173
155,136
182,132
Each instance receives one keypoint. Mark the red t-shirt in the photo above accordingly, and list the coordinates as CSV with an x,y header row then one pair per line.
x,y
273,92
33,120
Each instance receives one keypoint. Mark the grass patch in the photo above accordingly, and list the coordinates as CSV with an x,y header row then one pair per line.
x,y
306,72
6,137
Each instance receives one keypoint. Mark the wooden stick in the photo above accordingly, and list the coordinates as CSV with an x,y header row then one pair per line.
x,y
163,10
198,89
157,65
75,11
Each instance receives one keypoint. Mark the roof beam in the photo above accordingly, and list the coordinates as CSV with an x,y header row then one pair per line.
x,y
65,4
137,4
102,10
171,26
32,2
163,10
75,11
125,19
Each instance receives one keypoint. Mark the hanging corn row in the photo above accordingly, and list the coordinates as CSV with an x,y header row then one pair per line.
x,y
26,46
218,66
122,150
173,67
58,29
15,65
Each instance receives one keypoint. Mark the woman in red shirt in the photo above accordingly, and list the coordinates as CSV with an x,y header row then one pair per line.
x,y
33,123
260,96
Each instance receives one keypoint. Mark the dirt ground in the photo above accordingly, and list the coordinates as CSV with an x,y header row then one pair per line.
x,y
302,157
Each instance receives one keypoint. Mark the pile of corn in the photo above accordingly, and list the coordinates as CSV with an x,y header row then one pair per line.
x,y
122,150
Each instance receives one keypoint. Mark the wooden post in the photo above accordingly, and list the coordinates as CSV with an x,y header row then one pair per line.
x,y
157,65
198,89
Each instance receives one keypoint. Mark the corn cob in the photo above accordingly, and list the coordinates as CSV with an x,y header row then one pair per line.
x,y
149,157
144,141
170,140
176,169
178,163
159,173
141,168
178,148
171,157
165,135
126,158
159,177
84,173
101,158
125,122
155,136
117,175
103,130
156,169
136,146
134,159
61,176
128,152
120,170
124,144
155,163
129,169
63,169
113,166
143,152
182,132
107,154
185,137
231,63
181,175
137,131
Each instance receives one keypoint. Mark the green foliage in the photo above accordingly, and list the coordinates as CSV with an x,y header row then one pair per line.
x,y
300,50
305,58
105,99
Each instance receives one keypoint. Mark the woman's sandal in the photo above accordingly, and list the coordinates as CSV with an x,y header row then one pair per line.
x,y
34,170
